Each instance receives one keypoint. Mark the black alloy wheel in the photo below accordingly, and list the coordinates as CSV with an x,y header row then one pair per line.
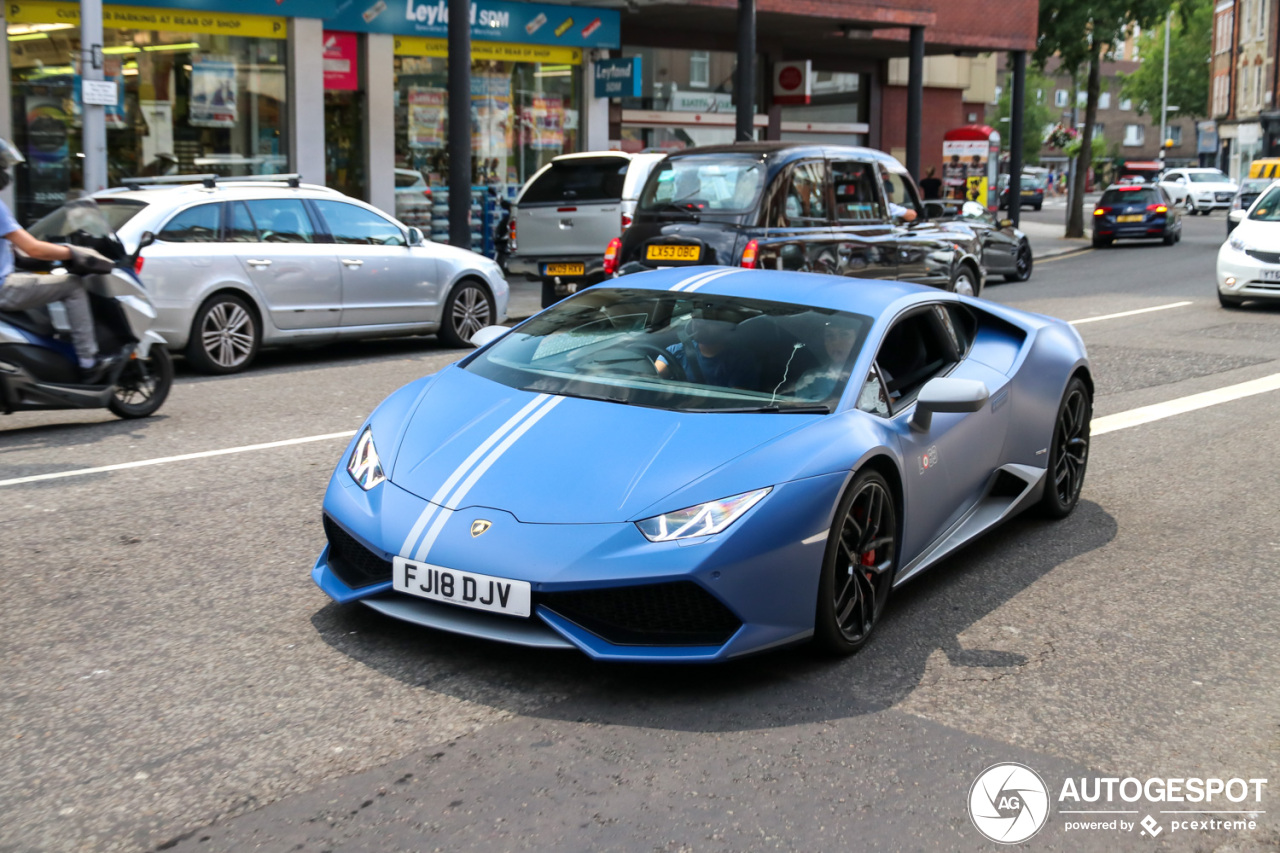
x,y
468,309
859,566
143,385
1069,451
1022,269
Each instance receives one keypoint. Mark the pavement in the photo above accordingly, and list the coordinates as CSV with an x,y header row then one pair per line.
x,y
174,681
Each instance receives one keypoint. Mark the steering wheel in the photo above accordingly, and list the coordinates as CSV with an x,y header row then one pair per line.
x,y
675,370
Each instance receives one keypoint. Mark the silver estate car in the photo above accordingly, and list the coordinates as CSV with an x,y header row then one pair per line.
x,y
239,264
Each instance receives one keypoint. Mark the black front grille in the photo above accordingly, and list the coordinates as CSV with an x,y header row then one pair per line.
x,y
353,563
1265,257
668,614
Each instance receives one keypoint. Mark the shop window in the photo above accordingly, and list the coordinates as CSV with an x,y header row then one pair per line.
x,y
199,224
700,69
354,225
282,220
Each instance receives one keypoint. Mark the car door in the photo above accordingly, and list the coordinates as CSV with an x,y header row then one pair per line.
x,y
797,233
865,241
296,274
999,245
926,253
385,281
946,466
178,274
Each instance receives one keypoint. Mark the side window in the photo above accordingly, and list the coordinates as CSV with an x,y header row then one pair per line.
x,y
804,203
199,224
351,224
958,326
913,352
856,199
282,220
900,193
874,397
241,228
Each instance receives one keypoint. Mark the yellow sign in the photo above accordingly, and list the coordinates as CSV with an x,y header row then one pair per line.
x,y
144,18
976,190
501,51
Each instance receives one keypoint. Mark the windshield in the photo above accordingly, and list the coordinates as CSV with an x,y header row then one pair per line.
x,y
1267,208
577,180
1214,177
1255,185
681,352
102,217
707,183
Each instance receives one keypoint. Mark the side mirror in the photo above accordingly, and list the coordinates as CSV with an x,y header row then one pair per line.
x,y
488,335
1237,216
1006,223
146,240
416,237
946,394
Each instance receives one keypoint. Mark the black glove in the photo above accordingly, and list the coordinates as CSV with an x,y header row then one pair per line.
x,y
88,262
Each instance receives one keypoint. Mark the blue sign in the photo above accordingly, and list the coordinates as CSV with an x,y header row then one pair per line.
x,y
491,20
618,78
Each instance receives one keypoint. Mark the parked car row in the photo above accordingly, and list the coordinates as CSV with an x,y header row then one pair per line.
x,y
235,265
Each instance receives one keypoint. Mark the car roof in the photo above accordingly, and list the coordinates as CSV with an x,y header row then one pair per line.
x,y
229,189
783,152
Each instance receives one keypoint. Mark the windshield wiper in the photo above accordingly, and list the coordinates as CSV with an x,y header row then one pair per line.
x,y
598,398
767,410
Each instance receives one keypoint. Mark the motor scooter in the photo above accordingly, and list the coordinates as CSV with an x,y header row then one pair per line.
x,y
38,366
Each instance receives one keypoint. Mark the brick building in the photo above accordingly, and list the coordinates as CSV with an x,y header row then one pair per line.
x,y
1244,82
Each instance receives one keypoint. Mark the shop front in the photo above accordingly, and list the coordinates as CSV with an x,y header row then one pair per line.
x,y
198,92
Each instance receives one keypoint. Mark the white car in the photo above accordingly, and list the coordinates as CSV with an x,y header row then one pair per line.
x,y
1249,262
1199,190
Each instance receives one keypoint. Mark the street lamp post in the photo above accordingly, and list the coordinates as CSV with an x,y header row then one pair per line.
x,y
1164,88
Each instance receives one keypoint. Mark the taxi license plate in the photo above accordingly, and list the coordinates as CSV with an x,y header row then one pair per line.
x,y
1028,192
1131,218
452,586
1271,275
673,253
564,269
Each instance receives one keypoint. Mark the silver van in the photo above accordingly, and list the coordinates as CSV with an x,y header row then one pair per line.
x,y
568,212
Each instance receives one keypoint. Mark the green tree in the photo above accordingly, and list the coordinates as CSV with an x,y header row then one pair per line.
x,y
1190,47
1037,114
1079,32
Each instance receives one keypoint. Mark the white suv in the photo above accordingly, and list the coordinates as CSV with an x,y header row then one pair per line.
x,y
1201,190
239,264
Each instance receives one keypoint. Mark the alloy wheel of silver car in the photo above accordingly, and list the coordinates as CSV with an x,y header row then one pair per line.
x,y
469,310
225,336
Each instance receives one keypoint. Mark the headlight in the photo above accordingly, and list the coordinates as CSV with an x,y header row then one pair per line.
x,y
1237,242
701,520
364,466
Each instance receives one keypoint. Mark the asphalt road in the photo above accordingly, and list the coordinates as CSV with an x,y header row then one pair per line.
x,y
173,680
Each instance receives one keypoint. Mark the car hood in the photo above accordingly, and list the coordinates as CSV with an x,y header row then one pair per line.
x,y
472,442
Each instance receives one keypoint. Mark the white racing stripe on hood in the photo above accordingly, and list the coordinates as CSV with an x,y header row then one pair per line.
x,y
691,288
700,279
462,470
479,471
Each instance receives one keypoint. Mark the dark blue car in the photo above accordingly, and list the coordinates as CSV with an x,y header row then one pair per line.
x,y
1138,211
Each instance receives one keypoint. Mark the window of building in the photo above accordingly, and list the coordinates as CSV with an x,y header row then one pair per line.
x,y
700,69
1126,104
1098,128
1061,98
1175,134
1134,135
1104,101
1082,98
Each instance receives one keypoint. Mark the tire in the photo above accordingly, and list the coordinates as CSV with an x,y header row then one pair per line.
x,y
1229,301
1038,206
1068,451
851,600
468,309
1191,207
224,335
1170,238
965,282
143,385
1024,265
549,297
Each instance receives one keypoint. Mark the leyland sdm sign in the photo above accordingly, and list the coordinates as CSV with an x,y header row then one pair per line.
x,y
491,20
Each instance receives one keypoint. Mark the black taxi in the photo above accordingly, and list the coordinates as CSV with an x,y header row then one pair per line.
x,y
841,210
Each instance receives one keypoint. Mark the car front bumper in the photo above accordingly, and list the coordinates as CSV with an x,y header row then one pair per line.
x,y
1240,275
600,588
1210,201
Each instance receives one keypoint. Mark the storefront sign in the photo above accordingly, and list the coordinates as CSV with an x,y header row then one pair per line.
x,y
491,20
427,110
102,93
701,102
340,67
151,18
793,82
411,46
618,78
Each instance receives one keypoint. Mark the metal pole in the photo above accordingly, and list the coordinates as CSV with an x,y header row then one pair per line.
x,y
744,130
1017,96
1164,89
1071,161
915,100
93,118
460,123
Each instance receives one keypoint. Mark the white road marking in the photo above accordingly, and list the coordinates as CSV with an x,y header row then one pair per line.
x,y
1182,405
1128,313
1099,426
203,454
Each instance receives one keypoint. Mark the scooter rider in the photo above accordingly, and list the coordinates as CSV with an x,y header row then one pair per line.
x,y
20,291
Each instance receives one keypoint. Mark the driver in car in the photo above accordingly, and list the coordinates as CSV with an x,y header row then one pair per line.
x,y
706,356
20,291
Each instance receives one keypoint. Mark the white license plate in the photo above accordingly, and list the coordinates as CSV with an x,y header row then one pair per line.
x,y
482,592
1271,275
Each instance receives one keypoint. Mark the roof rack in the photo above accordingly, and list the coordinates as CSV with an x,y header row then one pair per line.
x,y
293,179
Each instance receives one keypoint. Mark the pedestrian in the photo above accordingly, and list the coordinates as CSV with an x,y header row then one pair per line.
x,y
930,185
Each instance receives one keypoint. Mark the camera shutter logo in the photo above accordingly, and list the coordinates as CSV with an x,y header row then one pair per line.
x,y
1008,803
